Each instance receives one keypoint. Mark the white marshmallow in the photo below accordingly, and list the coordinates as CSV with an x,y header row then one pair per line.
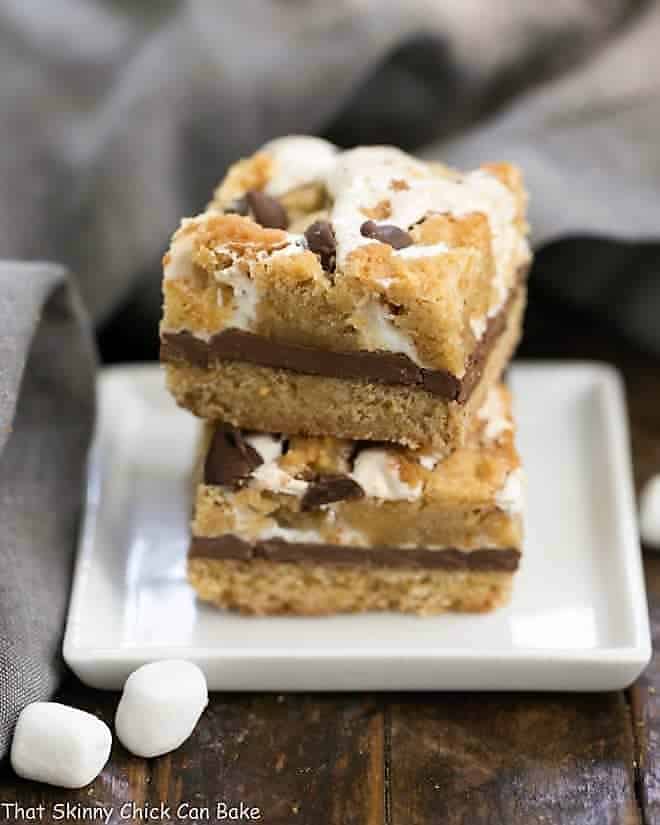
x,y
244,293
160,706
271,477
377,472
59,745
493,414
299,159
511,497
180,258
422,251
380,332
268,446
374,163
649,512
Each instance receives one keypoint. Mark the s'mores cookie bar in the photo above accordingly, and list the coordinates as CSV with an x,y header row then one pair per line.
x,y
359,294
310,525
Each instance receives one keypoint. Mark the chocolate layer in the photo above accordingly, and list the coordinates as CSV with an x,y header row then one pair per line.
x,y
379,366
278,550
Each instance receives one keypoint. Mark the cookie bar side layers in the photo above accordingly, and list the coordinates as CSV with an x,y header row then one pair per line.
x,y
265,588
377,367
376,254
419,531
277,400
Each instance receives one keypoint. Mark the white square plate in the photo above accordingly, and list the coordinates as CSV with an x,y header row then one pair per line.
x,y
577,621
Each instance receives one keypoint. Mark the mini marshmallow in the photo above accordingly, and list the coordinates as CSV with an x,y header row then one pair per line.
x,y
649,512
160,706
59,745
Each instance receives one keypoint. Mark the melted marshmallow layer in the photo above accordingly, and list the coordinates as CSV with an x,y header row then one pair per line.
x,y
357,181
377,469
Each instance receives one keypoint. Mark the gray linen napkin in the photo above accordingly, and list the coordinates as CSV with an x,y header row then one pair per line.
x,y
119,118
47,367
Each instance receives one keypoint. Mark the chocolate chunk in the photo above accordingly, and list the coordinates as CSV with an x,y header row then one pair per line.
x,y
387,233
230,458
267,211
238,207
329,488
321,240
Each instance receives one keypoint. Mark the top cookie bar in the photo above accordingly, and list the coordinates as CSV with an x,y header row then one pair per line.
x,y
363,277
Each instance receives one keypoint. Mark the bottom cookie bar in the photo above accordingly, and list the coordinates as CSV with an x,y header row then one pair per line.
x,y
322,525
264,587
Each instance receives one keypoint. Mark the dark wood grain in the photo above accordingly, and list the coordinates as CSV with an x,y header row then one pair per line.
x,y
642,376
296,758
505,759
645,703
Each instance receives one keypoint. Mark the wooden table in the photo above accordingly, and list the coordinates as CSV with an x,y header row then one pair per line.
x,y
412,759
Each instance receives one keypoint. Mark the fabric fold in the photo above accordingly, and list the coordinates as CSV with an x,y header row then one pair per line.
x,y
47,400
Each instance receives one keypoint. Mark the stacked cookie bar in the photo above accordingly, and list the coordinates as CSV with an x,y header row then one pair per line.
x,y
341,320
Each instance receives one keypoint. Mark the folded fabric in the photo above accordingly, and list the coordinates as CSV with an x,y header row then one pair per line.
x,y
47,366
146,109
588,146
